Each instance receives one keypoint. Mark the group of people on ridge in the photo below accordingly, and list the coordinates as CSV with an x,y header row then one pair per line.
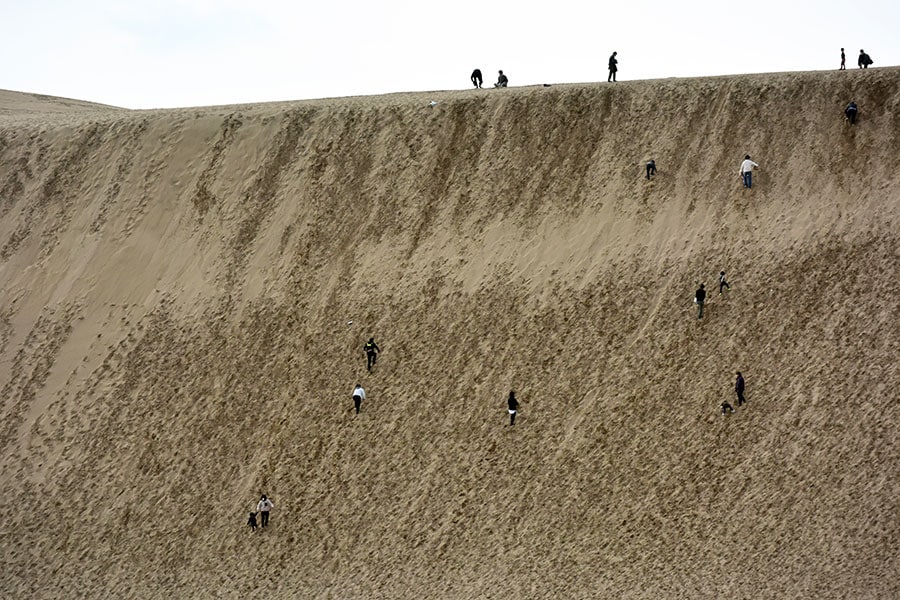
x,y
863,62
613,64
478,80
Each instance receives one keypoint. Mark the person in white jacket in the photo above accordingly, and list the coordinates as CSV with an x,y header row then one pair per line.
x,y
747,171
263,507
359,394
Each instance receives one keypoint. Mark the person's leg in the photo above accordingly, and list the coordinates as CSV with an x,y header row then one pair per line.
x,y
741,400
357,402
700,310
512,418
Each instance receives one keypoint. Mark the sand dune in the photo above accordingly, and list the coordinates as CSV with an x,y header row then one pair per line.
x,y
174,341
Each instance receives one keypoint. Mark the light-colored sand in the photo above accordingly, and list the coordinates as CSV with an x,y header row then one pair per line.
x,y
176,287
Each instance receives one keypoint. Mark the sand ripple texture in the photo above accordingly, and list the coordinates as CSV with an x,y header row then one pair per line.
x,y
177,287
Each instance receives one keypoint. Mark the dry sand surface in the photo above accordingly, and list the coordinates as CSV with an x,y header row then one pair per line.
x,y
174,341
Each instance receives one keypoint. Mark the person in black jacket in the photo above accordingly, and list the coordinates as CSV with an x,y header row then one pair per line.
x,y
739,388
850,112
727,408
513,405
372,351
613,67
476,78
651,168
699,298
864,60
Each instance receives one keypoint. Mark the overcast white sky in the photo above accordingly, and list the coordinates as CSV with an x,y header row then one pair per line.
x,y
169,53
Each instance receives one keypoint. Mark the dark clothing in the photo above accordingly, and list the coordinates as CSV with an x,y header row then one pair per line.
x,y
843,61
651,168
700,296
739,389
357,402
727,408
265,518
850,112
476,78
252,520
513,405
612,67
372,351
723,283
864,60
502,81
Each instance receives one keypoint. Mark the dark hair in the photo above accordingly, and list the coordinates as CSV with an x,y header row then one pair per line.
x,y
747,157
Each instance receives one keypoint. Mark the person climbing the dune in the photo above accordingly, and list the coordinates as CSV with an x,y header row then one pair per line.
x,y
359,394
513,407
851,112
651,168
739,388
747,171
700,298
723,284
372,351
263,507
727,408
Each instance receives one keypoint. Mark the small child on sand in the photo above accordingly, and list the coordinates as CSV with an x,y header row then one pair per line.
x,y
252,521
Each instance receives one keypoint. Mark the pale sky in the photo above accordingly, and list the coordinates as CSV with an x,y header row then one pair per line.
x,y
171,53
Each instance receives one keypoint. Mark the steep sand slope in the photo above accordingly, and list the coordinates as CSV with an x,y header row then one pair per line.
x,y
174,341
